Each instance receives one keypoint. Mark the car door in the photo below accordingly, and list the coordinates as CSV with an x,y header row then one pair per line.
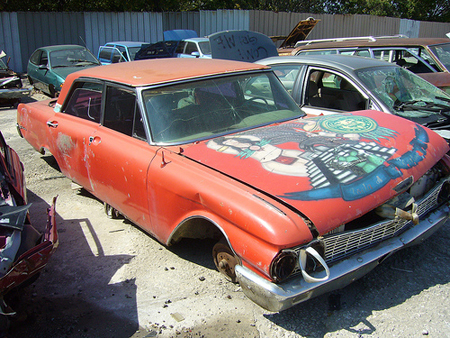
x,y
38,68
69,130
118,156
105,54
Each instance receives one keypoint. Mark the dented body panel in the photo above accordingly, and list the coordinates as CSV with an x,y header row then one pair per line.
x,y
270,182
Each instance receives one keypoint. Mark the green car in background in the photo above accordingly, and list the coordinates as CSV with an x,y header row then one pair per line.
x,y
48,66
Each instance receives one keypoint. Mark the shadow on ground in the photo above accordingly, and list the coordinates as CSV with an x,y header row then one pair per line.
x,y
74,296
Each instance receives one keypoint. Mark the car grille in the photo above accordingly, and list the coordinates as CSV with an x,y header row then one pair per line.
x,y
340,245
344,244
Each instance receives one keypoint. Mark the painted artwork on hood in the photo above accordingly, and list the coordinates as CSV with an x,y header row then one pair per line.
x,y
342,155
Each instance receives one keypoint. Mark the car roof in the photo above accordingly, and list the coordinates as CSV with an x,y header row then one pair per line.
x,y
61,47
381,42
157,71
350,63
127,43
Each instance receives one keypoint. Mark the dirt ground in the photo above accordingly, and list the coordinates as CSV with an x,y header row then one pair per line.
x,y
109,279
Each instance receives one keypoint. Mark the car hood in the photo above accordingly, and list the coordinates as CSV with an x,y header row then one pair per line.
x,y
331,168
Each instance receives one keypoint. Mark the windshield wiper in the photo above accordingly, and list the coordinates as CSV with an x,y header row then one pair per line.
x,y
442,98
425,106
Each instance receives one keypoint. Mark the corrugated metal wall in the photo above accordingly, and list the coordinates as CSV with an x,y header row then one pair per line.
x,y
44,29
101,28
330,26
220,20
94,29
9,39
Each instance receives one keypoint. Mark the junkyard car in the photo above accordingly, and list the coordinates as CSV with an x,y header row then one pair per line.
x,y
11,87
24,251
324,84
427,57
119,51
190,148
189,45
194,48
48,66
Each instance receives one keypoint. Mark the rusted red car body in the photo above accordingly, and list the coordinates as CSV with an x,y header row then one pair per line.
x,y
24,250
245,167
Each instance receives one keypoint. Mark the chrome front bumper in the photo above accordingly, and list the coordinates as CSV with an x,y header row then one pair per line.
x,y
278,297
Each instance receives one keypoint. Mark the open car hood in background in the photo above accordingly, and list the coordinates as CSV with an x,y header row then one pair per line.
x,y
332,168
299,33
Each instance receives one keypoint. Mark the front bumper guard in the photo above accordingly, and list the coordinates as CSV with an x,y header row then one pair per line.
x,y
278,297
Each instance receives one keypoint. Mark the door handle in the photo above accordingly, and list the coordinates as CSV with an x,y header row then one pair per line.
x,y
52,124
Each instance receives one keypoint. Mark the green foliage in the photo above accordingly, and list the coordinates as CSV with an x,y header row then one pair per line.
x,y
426,10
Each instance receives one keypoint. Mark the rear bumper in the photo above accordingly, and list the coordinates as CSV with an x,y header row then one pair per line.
x,y
278,297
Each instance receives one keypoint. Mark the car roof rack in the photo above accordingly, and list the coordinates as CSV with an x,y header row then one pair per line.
x,y
369,38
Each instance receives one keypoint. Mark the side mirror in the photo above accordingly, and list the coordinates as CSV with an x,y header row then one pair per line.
x,y
196,54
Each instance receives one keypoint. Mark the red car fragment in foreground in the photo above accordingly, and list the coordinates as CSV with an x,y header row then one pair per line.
x,y
24,251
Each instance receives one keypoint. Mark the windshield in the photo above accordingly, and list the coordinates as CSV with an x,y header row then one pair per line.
x,y
205,47
442,52
221,105
133,51
72,58
403,92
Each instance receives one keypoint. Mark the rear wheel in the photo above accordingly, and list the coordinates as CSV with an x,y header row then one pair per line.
x,y
225,260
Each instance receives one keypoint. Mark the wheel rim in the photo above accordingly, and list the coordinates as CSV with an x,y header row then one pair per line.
x,y
225,261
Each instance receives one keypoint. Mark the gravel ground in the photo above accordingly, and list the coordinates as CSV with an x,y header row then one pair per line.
x,y
109,279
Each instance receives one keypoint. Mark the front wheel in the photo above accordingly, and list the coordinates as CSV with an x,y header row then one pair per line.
x,y
111,212
225,260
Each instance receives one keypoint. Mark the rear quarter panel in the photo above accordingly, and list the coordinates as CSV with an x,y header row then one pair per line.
x,y
32,120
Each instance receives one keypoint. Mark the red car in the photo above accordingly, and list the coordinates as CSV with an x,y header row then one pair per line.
x,y
24,251
218,149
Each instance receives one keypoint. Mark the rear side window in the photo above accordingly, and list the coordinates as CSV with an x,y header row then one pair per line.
x,y
85,101
36,57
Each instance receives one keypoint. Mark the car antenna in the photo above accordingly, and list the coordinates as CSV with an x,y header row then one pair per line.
x,y
84,42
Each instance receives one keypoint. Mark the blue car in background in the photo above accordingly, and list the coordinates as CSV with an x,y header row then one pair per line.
x,y
49,66
119,51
